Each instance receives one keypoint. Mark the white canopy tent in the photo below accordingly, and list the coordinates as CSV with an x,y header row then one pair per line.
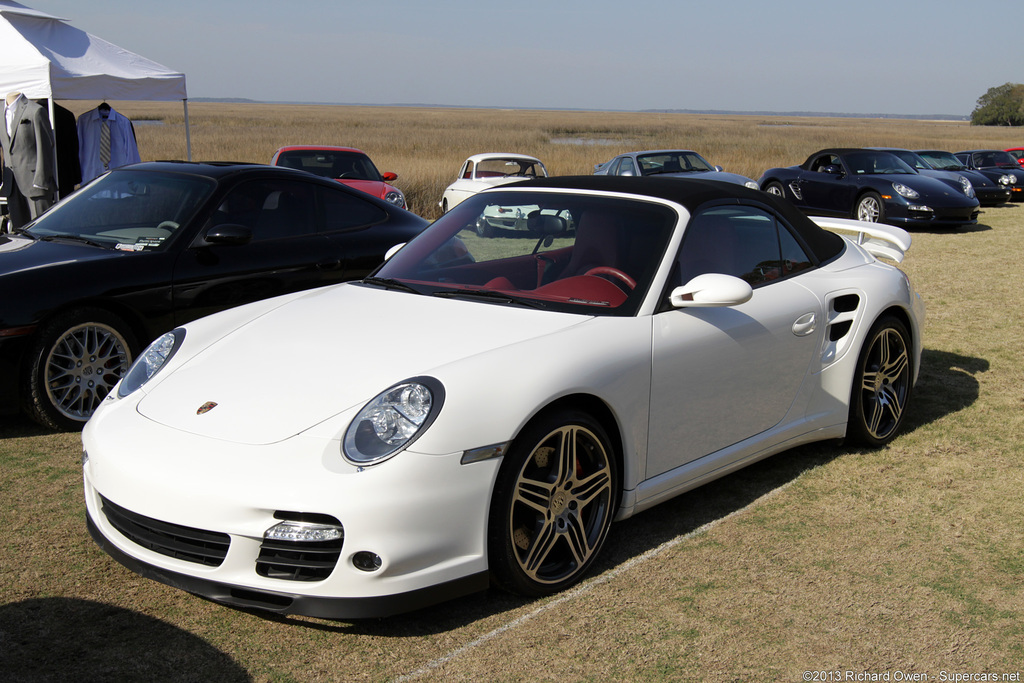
x,y
43,56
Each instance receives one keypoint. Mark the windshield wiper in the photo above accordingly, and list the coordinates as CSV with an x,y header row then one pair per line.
x,y
73,238
390,283
488,295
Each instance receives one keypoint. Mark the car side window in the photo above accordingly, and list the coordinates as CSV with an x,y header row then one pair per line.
x,y
744,241
271,209
625,167
347,211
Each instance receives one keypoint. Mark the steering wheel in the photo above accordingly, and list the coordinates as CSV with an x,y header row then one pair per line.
x,y
615,273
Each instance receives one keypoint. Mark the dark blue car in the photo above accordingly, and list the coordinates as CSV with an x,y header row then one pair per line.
x,y
871,185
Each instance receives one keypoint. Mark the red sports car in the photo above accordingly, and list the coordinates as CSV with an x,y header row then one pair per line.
x,y
347,165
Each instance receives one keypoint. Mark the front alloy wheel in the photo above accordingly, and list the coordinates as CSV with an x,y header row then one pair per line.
x,y
870,208
553,504
882,384
77,360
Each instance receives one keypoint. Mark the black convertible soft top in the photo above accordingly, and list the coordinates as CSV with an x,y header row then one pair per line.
x,y
693,194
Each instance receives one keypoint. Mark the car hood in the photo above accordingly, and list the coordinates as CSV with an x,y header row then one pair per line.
x,y
19,253
325,352
723,176
377,188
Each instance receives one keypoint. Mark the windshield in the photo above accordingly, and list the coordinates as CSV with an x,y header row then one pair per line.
x,y
513,166
943,161
672,162
561,251
995,160
876,163
126,209
336,165
912,159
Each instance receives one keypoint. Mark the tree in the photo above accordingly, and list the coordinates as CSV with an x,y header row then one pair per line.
x,y
1002,105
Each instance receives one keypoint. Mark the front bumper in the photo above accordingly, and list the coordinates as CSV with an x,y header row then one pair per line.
x,y
423,516
929,215
992,196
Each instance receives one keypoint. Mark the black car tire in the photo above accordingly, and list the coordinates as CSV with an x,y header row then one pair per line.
x,y
77,358
554,500
775,188
483,228
869,208
882,384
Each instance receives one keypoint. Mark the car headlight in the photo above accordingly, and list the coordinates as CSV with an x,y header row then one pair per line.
x,y
905,191
1008,180
392,420
967,187
395,197
150,362
752,185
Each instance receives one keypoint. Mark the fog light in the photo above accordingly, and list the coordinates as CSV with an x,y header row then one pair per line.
x,y
304,532
924,209
366,561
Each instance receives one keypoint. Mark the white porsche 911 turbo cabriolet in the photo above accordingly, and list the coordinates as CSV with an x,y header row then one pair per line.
x,y
481,410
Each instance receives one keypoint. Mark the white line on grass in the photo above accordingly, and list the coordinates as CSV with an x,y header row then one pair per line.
x,y
581,590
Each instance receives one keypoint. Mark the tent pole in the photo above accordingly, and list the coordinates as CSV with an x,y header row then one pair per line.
x,y
188,136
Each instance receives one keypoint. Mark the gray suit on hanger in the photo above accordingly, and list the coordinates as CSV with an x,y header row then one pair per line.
x,y
28,154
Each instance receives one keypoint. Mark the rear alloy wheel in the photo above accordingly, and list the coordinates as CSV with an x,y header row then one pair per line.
x,y
76,361
553,504
882,384
870,208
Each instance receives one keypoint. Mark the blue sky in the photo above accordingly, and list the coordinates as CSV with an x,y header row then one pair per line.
x,y
846,56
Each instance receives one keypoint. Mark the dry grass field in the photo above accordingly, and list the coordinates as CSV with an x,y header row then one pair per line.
x,y
904,562
426,147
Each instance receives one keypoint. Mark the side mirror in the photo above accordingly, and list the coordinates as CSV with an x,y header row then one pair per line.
x,y
832,169
228,234
393,250
711,289
719,168
389,177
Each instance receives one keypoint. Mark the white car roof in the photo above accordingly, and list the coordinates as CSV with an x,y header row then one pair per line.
x,y
476,158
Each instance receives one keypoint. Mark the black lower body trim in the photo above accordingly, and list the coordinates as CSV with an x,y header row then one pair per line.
x,y
290,603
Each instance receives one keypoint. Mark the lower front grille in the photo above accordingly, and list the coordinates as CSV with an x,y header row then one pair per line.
x,y
180,542
298,561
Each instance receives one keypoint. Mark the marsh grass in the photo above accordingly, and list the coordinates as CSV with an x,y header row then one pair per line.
x,y
426,146
823,558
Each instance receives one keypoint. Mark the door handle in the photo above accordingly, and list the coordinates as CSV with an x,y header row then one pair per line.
x,y
805,324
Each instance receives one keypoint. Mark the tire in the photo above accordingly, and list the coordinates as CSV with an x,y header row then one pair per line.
x,y
444,206
870,208
483,228
775,188
76,360
550,515
881,384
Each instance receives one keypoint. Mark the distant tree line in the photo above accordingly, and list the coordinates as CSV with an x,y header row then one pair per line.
x,y
1002,105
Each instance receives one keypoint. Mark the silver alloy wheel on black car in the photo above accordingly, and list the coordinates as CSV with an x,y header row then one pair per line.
x,y
78,358
882,384
553,504
870,208
775,188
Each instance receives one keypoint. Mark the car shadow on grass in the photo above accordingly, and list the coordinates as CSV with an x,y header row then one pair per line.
x,y
99,642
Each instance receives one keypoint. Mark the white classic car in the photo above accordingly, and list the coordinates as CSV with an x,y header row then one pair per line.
x,y
482,171
523,394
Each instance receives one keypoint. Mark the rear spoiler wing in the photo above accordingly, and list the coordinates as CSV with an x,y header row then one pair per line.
x,y
879,239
